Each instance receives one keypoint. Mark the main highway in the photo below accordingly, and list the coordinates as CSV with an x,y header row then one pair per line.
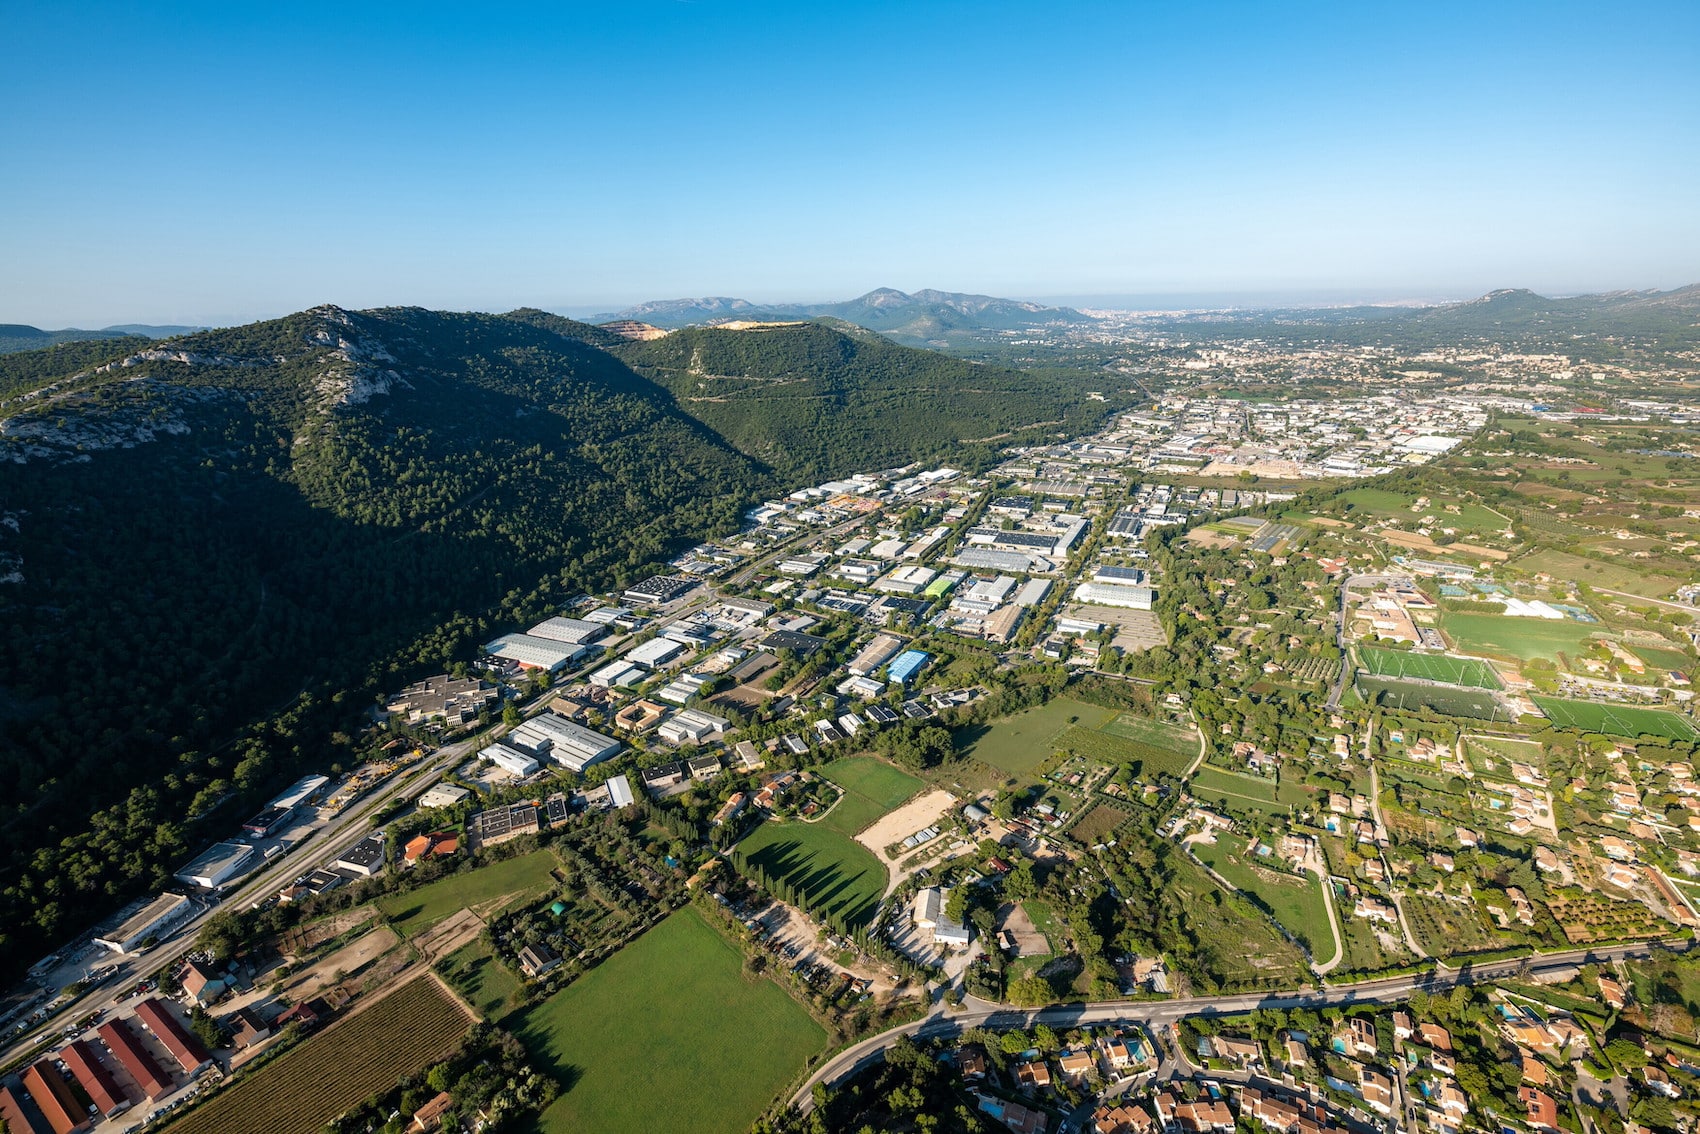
x,y
1156,1014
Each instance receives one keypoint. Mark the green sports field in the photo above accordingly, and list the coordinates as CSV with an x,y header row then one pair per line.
x,y
1495,635
1471,672
871,788
668,1034
1616,720
484,889
1476,704
836,874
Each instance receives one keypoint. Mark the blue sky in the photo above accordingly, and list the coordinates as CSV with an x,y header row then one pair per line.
x,y
179,163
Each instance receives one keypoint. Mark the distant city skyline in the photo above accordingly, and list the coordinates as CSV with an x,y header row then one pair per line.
x,y
217,163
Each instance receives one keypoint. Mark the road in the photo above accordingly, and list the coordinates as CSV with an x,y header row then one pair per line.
x,y
1155,1015
326,843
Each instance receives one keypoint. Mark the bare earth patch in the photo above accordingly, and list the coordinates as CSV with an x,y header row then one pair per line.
x,y
346,961
916,815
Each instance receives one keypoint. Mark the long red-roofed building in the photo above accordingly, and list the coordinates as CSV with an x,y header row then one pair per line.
x,y
84,1062
150,1078
54,1098
184,1048
12,1113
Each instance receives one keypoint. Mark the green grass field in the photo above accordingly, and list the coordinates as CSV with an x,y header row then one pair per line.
x,y
1213,784
1470,672
1476,704
1020,743
1613,576
1295,901
1659,658
486,887
871,788
1495,635
668,1034
1616,720
487,984
835,873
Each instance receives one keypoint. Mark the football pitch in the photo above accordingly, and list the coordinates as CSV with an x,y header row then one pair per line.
x,y
1616,720
1471,672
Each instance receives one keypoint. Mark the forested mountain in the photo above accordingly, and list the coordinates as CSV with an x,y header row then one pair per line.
x,y
214,550
924,318
802,397
1593,323
21,336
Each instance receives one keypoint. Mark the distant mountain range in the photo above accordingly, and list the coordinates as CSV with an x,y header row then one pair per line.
x,y
21,336
924,317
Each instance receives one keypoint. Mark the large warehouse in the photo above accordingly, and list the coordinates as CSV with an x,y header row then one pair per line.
x,y
218,864
1110,594
566,743
151,920
572,631
535,653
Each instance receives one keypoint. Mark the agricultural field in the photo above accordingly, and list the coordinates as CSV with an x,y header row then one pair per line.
x,y
1476,704
669,1027
1587,918
1471,672
1096,824
1239,792
1444,927
302,1090
1617,720
871,789
1294,900
1020,743
1162,747
1497,635
483,890
834,873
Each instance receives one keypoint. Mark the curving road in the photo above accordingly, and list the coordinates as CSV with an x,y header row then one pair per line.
x,y
1153,1014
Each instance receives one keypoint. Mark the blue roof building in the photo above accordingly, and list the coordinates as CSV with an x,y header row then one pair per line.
x,y
907,665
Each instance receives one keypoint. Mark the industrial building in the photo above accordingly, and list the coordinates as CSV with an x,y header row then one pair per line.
x,y
453,699
621,674
150,1078
907,665
659,590
97,1082
571,745
54,1098
172,1035
989,559
364,858
620,792
1033,592
690,726
655,652
509,758
1110,594
218,864
572,631
443,795
875,654
535,653
151,920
